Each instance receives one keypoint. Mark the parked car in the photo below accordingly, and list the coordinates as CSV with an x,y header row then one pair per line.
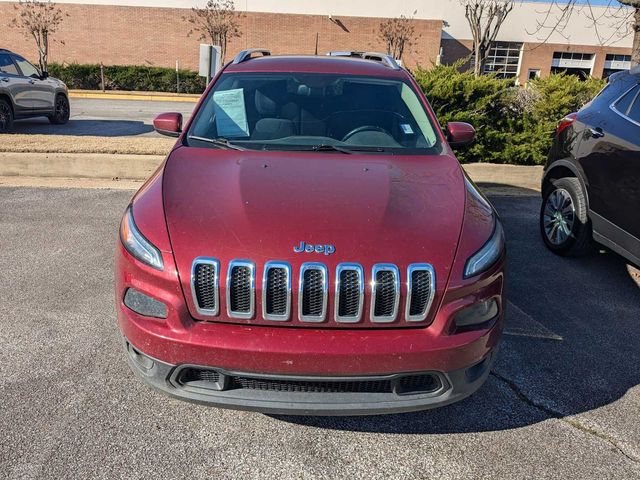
x,y
311,245
591,183
26,92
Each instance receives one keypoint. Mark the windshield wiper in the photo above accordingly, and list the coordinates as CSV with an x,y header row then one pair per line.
x,y
325,147
218,142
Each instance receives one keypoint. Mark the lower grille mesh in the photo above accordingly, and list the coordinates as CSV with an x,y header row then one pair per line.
x,y
371,386
385,294
421,291
349,295
205,288
240,289
276,296
313,293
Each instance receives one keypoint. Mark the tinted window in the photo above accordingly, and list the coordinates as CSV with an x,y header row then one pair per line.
x,y
27,69
625,102
7,66
300,111
634,113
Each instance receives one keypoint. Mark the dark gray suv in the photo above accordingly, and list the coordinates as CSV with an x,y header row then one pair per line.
x,y
27,92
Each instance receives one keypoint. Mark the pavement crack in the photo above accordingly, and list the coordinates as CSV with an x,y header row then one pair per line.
x,y
562,417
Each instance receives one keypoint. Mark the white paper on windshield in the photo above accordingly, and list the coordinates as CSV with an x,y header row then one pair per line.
x,y
231,114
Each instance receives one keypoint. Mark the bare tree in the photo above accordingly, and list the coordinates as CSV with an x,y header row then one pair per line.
x,y
485,18
398,34
38,20
216,22
619,18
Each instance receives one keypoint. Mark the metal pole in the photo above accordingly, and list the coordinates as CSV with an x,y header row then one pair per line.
x,y
177,76
102,76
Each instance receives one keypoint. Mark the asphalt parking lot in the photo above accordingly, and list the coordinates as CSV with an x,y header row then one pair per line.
x,y
106,118
563,401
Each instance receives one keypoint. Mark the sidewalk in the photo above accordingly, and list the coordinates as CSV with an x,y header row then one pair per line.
x,y
126,95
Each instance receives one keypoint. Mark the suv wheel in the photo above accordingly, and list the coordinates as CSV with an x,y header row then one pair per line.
x,y
6,116
564,222
62,111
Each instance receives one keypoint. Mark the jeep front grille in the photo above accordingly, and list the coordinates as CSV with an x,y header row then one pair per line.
x,y
276,291
241,289
312,292
421,290
350,290
385,293
204,285
349,293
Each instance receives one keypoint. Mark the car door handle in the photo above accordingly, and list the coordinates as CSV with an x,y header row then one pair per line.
x,y
596,132
4,79
32,82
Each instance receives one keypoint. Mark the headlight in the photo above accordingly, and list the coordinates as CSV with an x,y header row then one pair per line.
x,y
488,255
137,245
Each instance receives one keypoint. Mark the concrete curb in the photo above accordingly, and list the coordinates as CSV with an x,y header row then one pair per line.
x,y
143,96
79,165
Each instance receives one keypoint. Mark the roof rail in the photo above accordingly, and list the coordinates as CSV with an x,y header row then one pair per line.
x,y
385,59
245,55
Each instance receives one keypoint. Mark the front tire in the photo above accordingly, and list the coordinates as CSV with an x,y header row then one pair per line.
x,y
6,116
62,111
564,219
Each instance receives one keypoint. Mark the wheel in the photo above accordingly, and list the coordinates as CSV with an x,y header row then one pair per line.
x,y
6,116
564,221
62,111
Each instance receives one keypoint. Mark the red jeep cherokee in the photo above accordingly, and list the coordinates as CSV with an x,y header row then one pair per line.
x,y
311,245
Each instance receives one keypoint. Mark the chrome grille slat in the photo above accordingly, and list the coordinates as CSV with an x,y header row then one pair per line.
x,y
385,293
349,298
276,291
241,289
205,273
312,292
421,289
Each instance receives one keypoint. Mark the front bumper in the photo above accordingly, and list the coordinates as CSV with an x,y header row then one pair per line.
x,y
308,395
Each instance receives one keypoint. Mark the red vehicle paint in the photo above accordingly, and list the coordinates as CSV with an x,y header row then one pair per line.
x,y
400,201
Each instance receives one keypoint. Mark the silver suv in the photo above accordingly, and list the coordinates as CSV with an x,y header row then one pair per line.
x,y
27,92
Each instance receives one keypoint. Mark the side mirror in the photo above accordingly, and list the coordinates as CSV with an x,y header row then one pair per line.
x,y
44,75
169,124
460,134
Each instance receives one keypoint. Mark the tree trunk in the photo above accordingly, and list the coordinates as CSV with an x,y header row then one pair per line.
x,y
635,53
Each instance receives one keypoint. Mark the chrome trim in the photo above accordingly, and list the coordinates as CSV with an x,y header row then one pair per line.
x,y
268,266
420,267
612,106
339,269
303,268
245,55
374,270
252,303
208,312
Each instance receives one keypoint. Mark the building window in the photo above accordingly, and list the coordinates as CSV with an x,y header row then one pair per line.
x,y
533,74
573,63
504,59
616,63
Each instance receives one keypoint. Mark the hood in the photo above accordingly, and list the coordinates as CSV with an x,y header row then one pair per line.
x,y
260,205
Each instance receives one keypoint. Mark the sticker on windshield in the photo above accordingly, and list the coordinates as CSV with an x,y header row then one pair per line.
x,y
406,128
231,114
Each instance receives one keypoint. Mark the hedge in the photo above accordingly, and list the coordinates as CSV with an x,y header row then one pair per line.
x,y
127,77
515,125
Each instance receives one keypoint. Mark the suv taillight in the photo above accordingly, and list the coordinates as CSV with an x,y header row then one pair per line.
x,y
566,122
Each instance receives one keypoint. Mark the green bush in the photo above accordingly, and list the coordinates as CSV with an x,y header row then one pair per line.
x,y
515,125
127,77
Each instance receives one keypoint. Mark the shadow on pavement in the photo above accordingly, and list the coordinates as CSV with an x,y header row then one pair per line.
x,y
98,128
570,343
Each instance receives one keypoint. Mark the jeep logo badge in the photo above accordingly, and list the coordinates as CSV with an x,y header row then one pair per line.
x,y
307,247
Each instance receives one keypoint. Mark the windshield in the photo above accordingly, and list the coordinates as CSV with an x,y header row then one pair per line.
x,y
314,112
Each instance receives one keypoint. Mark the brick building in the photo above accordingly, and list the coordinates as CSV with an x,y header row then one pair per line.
x,y
154,32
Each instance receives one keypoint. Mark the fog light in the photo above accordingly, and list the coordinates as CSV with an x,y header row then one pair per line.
x,y
144,305
477,313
